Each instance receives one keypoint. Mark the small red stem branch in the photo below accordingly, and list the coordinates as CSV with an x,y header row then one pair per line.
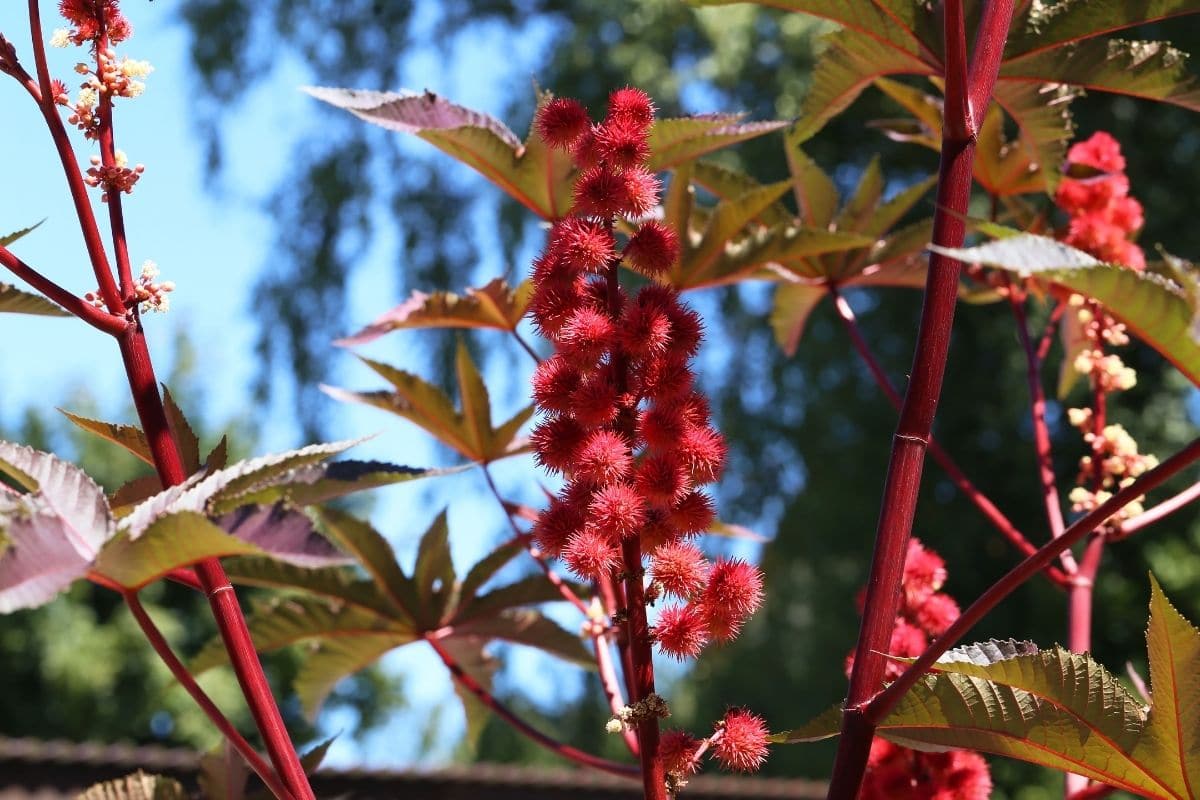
x,y
96,317
1049,331
612,686
1079,622
881,704
1041,433
116,214
1163,509
163,648
489,700
986,507
79,196
898,506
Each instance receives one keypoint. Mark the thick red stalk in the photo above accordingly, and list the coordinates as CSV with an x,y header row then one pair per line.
x,y
222,723
507,714
79,196
885,701
898,506
96,317
221,596
1079,621
986,507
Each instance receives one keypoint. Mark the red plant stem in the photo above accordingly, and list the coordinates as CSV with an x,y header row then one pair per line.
x,y
566,591
1049,331
957,476
96,317
509,716
614,601
116,215
898,506
1166,507
1079,621
222,723
83,207
886,700
958,119
1041,434
221,596
527,347
612,685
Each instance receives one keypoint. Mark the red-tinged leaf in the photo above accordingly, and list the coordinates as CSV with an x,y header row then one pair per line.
x,y
729,185
172,541
526,591
726,223
433,574
816,195
320,483
181,431
16,301
485,569
38,555
1074,341
674,141
1050,25
9,238
492,306
1150,70
375,555
794,303
129,437
528,627
332,660
477,139
731,531
340,584
131,494
283,533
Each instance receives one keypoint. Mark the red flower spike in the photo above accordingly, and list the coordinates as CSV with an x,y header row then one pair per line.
x,y
553,382
681,632
556,442
661,479
742,744
620,143
584,244
936,614
693,514
703,451
603,459
1100,151
680,568
653,249
924,573
677,750
617,510
591,555
555,526
908,641
631,106
562,121
897,773
586,335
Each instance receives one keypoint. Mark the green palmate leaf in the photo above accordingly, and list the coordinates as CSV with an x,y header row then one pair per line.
x,y
1049,25
130,437
679,200
730,185
133,493
526,591
1151,70
433,574
283,622
1172,736
375,555
675,141
528,627
320,483
816,195
794,302
334,659
16,301
538,180
486,568
1157,310
470,656
850,62
726,220
495,305
138,786
333,583
925,107
9,238
469,432
181,431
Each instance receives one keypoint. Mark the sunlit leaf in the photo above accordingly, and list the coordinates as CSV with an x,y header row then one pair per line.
x,y
1052,24
794,302
181,431
495,305
17,301
334,583
39,557
9,238
374,554
129,437
729,184
433,574
523,592
674,141
334,659
138,786
486,568
529,627
176,540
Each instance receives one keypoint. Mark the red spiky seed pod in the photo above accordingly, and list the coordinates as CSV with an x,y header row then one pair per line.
x,y
678,750
681,632
594,402
617,510
555,525
692,515
622,144
702,450
585,244
645,331
601,192
603,458
591,554
586,335
742,743
662,480
680,568
562,121
639,189
733,593
554,380
661,426
556,442
632,106
653,249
